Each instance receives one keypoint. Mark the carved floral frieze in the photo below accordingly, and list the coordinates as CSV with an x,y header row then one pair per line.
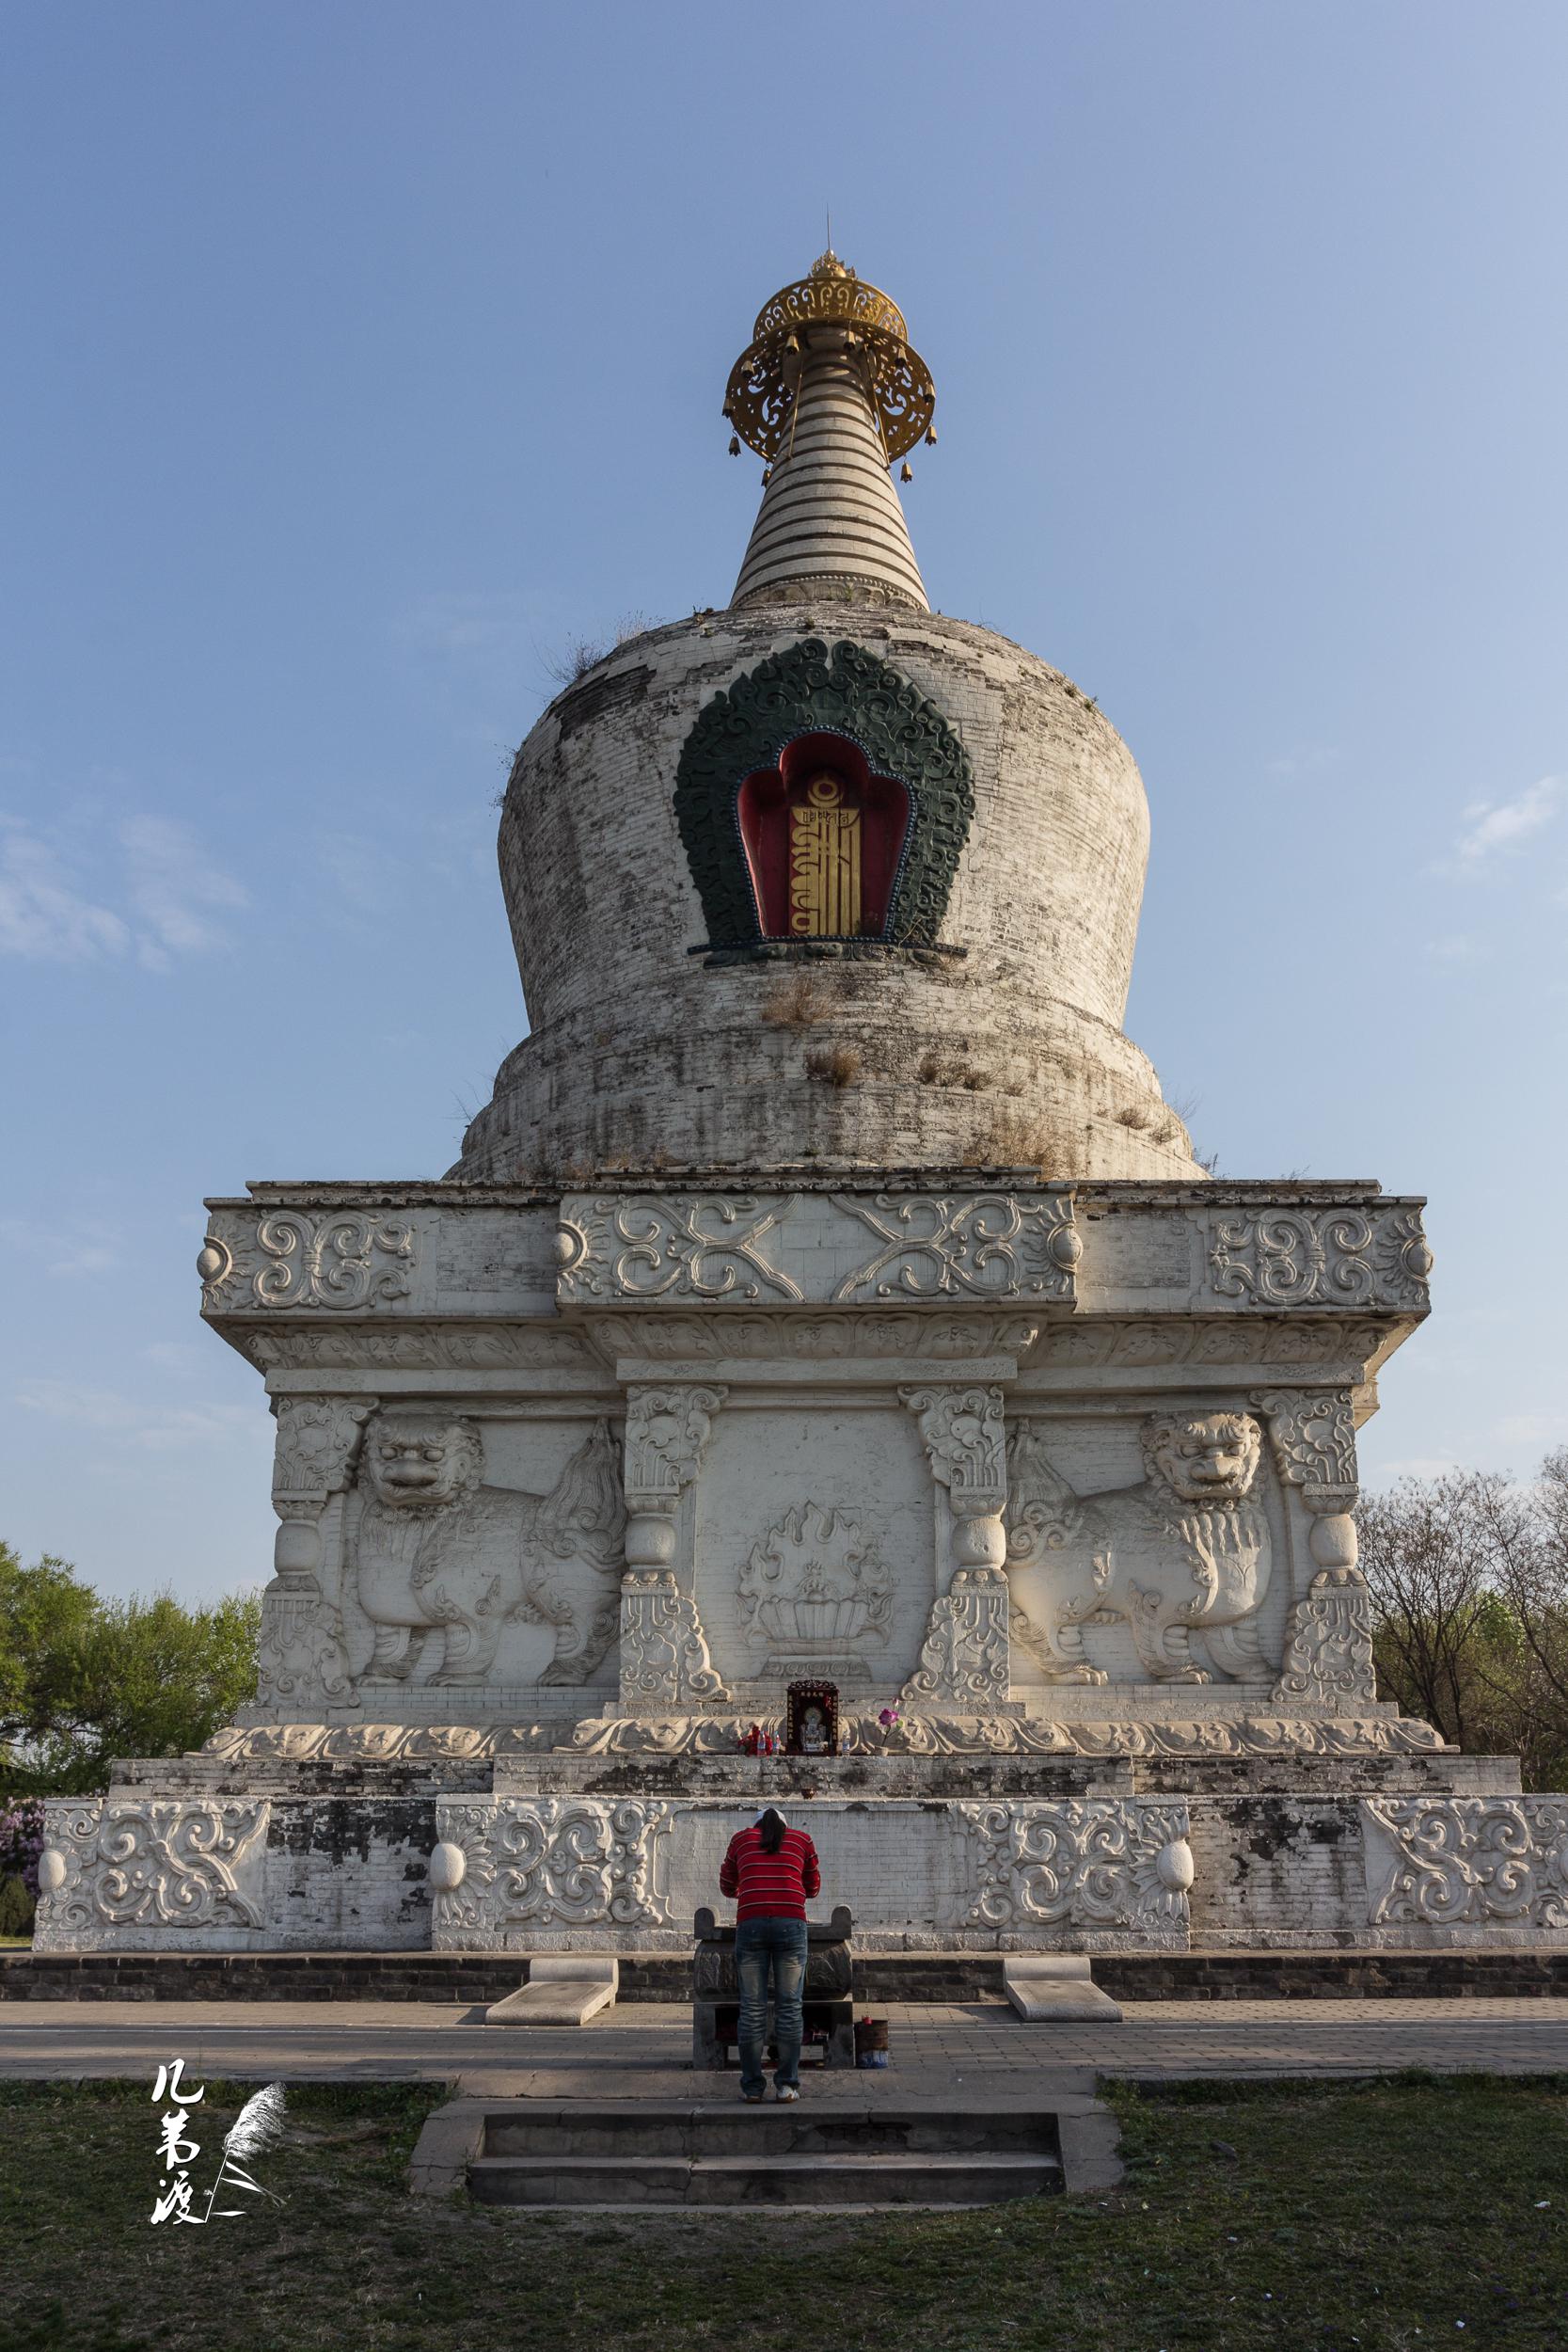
x,y
546,1862
1151,1345
947,1732
995,1245
674,1337
1471,1862
671,1245
159,1869
344,1262
419,1347
1333,1257
747,1250
1083,1864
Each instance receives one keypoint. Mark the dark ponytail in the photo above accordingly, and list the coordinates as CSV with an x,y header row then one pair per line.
x,y
771,1827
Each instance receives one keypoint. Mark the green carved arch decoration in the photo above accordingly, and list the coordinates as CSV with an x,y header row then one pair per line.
x,y
847,691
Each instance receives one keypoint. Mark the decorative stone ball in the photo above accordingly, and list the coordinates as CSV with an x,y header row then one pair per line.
x,y
1175,1866
212,1261
448,1864
52,1870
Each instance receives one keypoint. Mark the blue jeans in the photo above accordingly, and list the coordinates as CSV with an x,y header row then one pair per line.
x,y
779,1944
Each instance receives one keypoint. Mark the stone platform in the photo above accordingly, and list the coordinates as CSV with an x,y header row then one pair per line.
x,y
1372,1844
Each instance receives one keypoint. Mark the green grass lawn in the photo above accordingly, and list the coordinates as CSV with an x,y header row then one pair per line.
x,y
1408,2212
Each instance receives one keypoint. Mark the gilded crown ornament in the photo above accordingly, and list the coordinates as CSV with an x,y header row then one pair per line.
x,y
759,398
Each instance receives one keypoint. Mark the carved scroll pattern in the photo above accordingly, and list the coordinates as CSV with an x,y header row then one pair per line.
x,y
300,1655
664,1652
318,1438
296,1261
158,1866
965,1442
546,1862
1085,1863
669,1246
966,1660
975,1246
677,1336
1270,1339
926,1734
1329,1651
1313,1435
667,1431
487,1347
1340,1257
1466,1861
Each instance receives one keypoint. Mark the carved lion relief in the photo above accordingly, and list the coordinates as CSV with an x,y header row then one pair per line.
x,y
443,1558
1185,1553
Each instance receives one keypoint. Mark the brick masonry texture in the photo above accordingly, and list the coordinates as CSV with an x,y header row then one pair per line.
x,y
475,1977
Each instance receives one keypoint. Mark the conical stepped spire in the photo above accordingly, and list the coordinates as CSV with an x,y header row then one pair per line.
x,y
831,393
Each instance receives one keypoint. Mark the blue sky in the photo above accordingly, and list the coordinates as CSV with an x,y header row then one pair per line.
x,y
361,357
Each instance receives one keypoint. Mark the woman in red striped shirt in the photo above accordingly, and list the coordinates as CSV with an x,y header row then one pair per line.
x,y
770,1870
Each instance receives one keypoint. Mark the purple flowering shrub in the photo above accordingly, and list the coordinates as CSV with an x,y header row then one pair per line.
x,y
21,1843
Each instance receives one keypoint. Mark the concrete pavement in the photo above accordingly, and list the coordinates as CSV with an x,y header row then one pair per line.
x,y
642,2049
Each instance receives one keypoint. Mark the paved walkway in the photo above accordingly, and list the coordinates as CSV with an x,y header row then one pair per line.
x,y
640,2049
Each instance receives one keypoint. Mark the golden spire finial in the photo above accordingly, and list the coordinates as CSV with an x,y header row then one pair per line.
x,y
759,398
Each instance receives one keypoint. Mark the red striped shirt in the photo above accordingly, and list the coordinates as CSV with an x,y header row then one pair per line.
x,y
769,1885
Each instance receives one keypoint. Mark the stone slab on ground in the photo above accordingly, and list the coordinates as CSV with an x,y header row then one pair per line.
x,y
1052,1989
566,1990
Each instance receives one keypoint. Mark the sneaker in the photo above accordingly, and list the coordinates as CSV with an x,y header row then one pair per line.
x,y
753,2098
785,2092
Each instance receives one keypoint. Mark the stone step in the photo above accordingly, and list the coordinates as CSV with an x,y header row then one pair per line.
x,y
765,2178
656,2129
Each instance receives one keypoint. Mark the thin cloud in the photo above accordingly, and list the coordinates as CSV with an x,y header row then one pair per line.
x,y
1410,1465
174,890
1540,1431
1496,827
163,1428
77,1248
41,915
1456,947
168,893
1307,760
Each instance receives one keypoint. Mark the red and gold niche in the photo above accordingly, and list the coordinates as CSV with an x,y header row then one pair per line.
x,y
823,839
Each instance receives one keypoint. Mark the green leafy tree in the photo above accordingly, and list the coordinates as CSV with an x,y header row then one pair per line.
x,y
84,1680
